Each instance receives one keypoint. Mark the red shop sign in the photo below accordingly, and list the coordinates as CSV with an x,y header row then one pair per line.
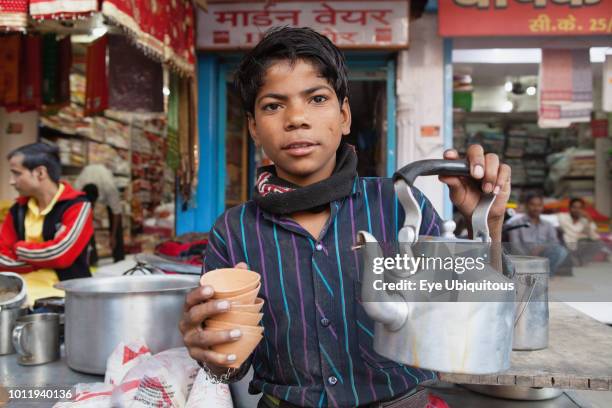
x,y
471,18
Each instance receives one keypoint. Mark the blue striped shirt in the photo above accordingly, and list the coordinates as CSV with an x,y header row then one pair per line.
x,y
317,348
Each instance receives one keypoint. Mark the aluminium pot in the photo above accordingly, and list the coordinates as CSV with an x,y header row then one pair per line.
x,y
102,312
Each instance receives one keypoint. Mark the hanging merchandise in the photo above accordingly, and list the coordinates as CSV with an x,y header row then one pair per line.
x,y
62,9
10,51
607,84
163,29
96,81
50,65
566,88
173,158
13,15
31,73
188,143
136,81
64,67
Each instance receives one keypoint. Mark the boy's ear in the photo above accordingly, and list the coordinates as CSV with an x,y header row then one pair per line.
x,y
345,112
253,129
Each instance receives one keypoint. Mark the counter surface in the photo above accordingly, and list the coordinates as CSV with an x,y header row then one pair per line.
x,y
578,357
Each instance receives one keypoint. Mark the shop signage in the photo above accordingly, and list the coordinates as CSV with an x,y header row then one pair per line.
x,y
524,17
349,24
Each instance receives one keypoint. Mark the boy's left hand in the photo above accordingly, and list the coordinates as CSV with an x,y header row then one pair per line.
x,y
489,176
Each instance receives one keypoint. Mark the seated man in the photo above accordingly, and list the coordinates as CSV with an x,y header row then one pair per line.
x,y
539,238
580,233
47,231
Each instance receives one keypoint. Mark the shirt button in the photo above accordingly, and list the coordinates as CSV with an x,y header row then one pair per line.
x,y
332,380
319,247
325,322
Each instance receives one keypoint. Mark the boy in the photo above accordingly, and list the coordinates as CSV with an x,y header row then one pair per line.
x,y
298,233
47,231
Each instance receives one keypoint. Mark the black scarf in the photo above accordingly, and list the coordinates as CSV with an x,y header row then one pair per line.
x,y
281,197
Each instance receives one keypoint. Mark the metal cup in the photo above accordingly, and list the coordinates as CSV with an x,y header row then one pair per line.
x,y
7,323
36,338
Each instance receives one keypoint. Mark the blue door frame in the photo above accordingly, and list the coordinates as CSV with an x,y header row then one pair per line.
x,y
209,200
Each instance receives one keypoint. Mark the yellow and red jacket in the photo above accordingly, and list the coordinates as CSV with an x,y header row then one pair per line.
x,y
67,231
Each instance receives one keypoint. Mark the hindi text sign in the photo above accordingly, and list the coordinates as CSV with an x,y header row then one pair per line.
x,y
354,24
459,18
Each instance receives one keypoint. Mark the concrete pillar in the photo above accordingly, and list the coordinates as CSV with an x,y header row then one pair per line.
x,y
420,102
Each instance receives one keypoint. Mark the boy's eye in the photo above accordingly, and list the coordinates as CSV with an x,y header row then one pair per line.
x,y
319,99
271,107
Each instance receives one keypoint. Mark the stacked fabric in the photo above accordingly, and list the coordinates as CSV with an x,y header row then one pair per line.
x,y
13,15
566,88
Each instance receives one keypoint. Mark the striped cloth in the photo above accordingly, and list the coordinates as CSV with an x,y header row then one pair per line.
x,y
317,349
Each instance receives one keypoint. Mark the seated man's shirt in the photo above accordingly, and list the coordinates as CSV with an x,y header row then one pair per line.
x,y
50,244
40,283
576,231
318,340
526,238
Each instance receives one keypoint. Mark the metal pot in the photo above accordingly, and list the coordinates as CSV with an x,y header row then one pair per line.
x,y
102,312
515,392
531,326
8,318
12,290
453,335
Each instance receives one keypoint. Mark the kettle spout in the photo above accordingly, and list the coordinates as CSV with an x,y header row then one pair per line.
x,y
380,305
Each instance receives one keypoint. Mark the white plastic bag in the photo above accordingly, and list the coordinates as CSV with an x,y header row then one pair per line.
x,y
162,380
206,394
123,358
94,395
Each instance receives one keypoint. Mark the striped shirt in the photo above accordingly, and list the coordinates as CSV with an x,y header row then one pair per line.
x,y
317,348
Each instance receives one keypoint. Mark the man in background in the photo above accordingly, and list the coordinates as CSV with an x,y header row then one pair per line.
x,y
98,183
539,237
46,232
580,233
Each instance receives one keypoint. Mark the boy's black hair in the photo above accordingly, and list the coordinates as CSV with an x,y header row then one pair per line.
x,y
40,154
532,196
292,44
577,200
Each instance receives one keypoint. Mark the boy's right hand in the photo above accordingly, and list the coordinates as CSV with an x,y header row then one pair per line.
x,y
199,306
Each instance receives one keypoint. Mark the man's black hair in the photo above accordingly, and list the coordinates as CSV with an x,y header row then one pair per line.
x,y
533,196
40,154
292,44
577,200
91,192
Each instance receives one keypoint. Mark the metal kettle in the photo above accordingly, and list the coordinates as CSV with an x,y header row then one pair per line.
x,y
441,333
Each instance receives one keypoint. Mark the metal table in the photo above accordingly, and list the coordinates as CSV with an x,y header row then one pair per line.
x,y
51,376
57,375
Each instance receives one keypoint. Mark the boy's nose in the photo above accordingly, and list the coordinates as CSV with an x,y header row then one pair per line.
x,y
295,118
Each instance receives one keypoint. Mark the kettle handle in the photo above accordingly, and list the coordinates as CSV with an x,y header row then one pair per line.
x,y
440,167
404,181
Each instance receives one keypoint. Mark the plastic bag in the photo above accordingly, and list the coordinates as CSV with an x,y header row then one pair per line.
x,y
94,395
123,358
206,394
163,380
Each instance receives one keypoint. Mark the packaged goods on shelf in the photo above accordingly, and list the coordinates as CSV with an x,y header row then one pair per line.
x,y
72,152
515,142
537,145
491,140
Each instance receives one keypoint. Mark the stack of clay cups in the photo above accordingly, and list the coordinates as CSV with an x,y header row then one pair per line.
x,y
240,287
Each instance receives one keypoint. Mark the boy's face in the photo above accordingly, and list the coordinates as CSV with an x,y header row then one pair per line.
x,y
299,122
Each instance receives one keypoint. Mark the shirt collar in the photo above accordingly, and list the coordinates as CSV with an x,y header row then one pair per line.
x,y
33,205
